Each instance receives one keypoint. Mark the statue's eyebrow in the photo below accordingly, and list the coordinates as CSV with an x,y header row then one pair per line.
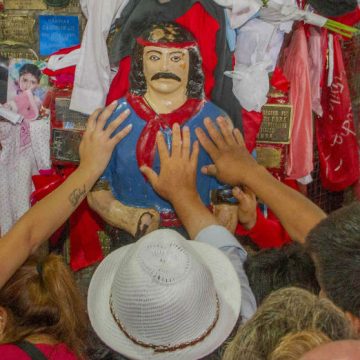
x,y
155,51
177,52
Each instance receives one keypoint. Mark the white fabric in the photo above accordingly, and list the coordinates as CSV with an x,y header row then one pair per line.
x,y
18,162
257,49
156,285
250,85
10,115
305,180
61,61
276,13
92,75
330,78
240,12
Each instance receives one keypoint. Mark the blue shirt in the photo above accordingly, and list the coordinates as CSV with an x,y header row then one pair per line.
x,y
126,181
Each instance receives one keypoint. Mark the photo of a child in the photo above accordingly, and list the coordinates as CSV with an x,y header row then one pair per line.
x,y
26,89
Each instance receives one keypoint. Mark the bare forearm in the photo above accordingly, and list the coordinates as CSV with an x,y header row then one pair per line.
x,y
296,213
37,225
193,214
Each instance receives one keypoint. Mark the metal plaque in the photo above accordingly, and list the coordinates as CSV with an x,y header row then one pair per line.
x,y
268,157
276,124
17,28
65,145
17,52
70,119
25,5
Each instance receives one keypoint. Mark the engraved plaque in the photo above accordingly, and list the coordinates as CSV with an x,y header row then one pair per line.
x,y
25,5
269,157
276,124
65,145
17,52
17,28
70,119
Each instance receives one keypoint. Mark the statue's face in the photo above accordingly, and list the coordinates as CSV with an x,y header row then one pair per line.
x,y
166,70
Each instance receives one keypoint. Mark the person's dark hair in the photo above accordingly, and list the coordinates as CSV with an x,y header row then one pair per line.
x,y
273,269
335,245
42,298
30,69
172,33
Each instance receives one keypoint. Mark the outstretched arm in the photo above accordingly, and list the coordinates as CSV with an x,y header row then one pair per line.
x,y
234,165
49,214
177,180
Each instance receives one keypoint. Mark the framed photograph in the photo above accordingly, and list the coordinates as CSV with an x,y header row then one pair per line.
x,y
26,90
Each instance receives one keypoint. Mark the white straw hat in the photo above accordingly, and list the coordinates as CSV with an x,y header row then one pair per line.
x,y
164,297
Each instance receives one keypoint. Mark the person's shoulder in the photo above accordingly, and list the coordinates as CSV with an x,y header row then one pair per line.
x,y
57,351
12,352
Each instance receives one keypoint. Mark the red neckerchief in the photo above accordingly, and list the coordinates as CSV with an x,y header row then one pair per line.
x,y
146,145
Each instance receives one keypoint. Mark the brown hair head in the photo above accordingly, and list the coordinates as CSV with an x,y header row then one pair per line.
x,y
282,312
294,345
42,298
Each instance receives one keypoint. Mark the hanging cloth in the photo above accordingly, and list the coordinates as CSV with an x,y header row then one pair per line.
x,y
335,131
296,70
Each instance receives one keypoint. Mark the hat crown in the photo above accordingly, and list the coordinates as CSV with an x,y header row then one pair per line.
x,y
163,294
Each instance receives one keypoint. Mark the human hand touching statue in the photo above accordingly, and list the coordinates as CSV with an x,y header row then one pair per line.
x,y
45,217
95,152
97,143
234,165
177,178
232,162
176,181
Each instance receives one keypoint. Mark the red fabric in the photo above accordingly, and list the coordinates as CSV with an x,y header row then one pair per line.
x,y
279,81
251,125
85,248
146,145
120,84
54,352
351,18
196,19
336,137
64,77
267,232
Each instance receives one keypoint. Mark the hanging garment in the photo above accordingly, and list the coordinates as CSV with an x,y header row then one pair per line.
x,y
20,158
296,70
196,16
240,12
92,75
257,49
316,67
335,131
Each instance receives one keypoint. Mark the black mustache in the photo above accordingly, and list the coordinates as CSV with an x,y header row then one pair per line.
x,y
165,75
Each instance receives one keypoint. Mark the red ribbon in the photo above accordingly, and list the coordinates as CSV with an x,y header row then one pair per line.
x,y
146,145
85,248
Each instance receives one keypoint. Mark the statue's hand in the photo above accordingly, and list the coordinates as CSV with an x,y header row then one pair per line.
x,y
136,221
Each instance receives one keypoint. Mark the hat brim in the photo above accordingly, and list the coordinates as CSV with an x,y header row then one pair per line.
x,y
227,286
